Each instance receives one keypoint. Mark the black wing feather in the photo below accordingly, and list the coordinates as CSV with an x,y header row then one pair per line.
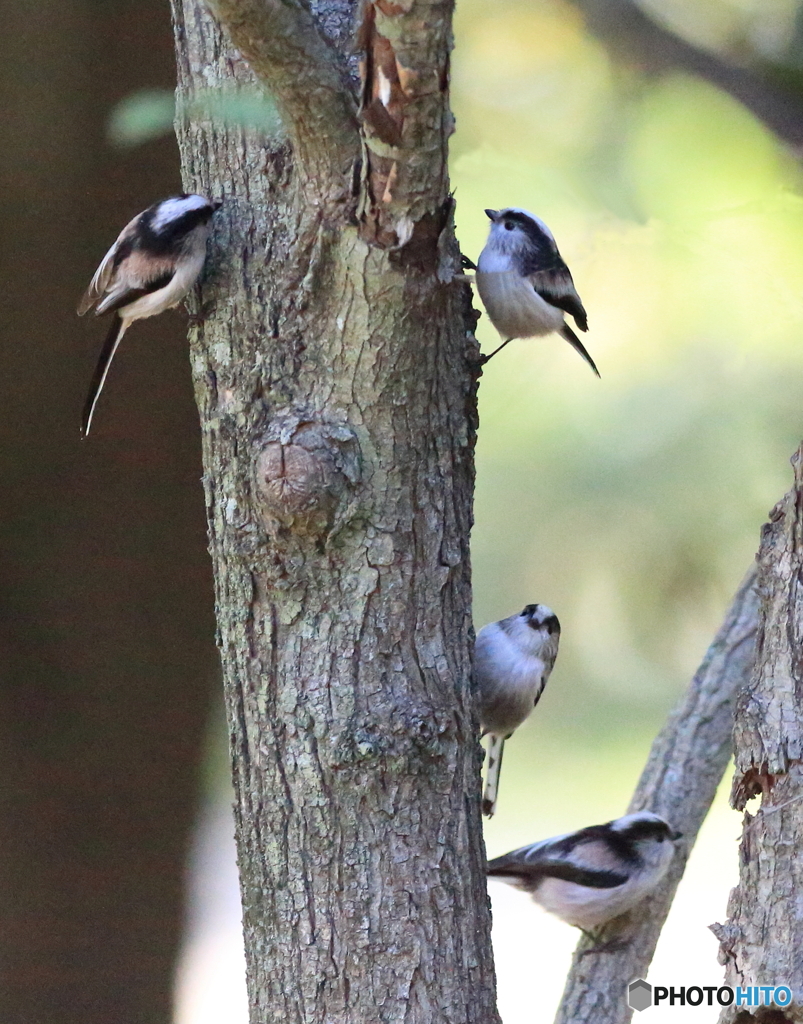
x,y
553,281
556,286
531,874
565,300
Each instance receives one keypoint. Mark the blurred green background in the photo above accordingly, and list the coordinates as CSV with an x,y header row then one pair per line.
x,y
632,504
661,141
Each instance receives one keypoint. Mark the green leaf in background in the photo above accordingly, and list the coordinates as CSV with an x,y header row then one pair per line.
x,y
141,116
149,113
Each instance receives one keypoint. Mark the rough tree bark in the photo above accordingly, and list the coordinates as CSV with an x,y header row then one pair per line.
x,y
338,409
679,781
761,941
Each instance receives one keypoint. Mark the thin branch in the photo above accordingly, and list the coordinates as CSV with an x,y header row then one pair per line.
x,y
306,77
679,782
632,36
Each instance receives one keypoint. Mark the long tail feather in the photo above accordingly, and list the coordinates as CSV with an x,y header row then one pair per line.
x,y
496,746
578,346
113,339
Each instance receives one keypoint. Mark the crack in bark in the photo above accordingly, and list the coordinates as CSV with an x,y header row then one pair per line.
x,y
759,944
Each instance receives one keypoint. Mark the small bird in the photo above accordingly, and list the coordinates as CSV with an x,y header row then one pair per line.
x,y
589,877
157,258
512,662
525,285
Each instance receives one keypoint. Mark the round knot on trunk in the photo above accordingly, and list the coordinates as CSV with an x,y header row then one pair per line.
x,y
303,473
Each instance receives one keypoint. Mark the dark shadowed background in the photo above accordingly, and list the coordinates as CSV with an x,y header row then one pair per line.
x,y
108,661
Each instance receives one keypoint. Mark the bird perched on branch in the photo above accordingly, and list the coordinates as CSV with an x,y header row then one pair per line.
x,y
525,285
589,877
155,261
512,662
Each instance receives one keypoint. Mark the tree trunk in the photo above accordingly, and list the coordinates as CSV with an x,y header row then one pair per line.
x,y
762,939
338,411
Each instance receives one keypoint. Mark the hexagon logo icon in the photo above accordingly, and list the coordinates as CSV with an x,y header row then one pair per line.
x,y
639,994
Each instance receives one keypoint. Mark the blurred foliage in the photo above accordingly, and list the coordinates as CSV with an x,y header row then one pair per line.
x,y
149,113
633,504
746,28
141,116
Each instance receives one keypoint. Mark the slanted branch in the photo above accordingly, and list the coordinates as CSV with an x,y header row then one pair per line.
x,y
381,154
679,782
309,81
752,679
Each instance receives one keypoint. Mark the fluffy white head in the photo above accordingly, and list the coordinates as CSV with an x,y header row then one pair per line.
x,y
515,231
174,208
531,629
518,241
628,821
515,214
512,662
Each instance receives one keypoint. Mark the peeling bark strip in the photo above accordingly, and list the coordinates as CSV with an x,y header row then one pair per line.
x,y
760,943
679,782
338,416
406,118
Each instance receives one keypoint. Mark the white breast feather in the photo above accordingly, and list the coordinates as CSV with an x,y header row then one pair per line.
x,y
509,680
514,306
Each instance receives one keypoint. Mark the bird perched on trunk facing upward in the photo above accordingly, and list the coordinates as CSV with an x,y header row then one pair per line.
x,y
524,284
512,662
157,258
591,876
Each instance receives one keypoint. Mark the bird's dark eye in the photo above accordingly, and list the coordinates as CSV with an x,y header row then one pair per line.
x,y
508,226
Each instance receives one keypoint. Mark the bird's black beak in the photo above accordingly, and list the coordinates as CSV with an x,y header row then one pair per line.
x,y
492,215
675,835
216,206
